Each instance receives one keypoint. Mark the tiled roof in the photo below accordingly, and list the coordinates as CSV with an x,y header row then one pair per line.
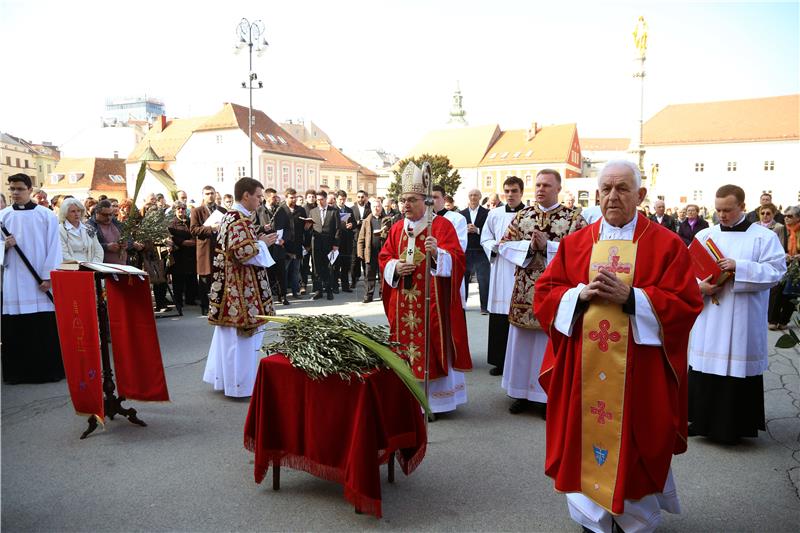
x,y
336,160
167,143
465,147
604,144
551,144
758,119
267,135
95,174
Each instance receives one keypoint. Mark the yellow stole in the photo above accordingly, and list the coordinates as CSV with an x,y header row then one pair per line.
x,y
603,370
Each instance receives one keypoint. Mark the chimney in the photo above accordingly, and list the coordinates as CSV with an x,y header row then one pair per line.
x,y
163,120
533,130
116,154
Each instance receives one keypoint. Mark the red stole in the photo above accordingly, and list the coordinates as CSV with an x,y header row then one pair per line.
x,y
656,389
404,307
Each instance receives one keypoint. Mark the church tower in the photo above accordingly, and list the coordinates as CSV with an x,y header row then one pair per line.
x,y
457,112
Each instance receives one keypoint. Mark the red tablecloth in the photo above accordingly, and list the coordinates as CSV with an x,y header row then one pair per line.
x,y
332,429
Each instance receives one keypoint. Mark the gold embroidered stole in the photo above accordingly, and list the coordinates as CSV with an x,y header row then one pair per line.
x,y
603,370
409,329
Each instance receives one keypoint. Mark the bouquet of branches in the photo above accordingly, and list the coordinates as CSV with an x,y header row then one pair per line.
x,y
151,228
326,345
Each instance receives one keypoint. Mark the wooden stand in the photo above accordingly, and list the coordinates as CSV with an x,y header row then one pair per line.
x,y
112,403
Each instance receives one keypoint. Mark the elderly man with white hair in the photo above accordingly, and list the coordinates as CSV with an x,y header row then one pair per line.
x,y
78,241
618,301
477,262
661,217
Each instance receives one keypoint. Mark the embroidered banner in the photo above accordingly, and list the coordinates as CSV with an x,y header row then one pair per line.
x,y
79,336
603,367
134,340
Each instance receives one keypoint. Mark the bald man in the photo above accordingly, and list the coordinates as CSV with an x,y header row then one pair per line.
x,y
477,262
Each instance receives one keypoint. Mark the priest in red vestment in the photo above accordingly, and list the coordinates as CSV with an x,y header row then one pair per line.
x,y
402,261
618,301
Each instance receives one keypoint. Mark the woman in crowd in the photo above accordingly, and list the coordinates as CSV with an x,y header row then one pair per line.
x,y
766,215
78,241
184,259
3,203
692,225
125,207
782,297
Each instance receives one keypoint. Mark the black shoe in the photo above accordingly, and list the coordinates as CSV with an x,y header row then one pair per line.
x,y
317,295
336,290
347,290
543,411
203,311
330,296
692,432
495,371
519,406
285,301
367,299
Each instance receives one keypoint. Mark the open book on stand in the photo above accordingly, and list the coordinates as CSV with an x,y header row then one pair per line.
x,y
106,268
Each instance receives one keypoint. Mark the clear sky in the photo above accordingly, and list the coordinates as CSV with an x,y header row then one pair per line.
x,y
380,73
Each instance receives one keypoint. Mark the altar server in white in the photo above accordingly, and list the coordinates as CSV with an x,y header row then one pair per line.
x,y
459,223
501,278
30,348
728,346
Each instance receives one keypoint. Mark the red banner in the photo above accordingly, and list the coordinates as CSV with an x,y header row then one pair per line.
x,y
79,336
134,340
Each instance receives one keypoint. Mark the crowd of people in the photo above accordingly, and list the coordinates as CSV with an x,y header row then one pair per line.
x,y
595,316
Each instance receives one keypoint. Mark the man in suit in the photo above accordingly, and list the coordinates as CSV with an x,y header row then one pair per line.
x,y
293,239
206,237
305,269
661,217
271,219
361,210
477,261
347,241
325,238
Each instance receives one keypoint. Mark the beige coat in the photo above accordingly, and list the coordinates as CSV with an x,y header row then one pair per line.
x,y
80,244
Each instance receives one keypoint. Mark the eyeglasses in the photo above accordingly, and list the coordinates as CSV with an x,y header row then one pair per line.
x,y
411,200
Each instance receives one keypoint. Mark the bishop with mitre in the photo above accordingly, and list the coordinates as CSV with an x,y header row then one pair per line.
x,y
402,261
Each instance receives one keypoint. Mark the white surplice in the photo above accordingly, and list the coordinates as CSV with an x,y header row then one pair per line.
x,y
450,391
36,233
460,225
233,358
501,278
525,350
730,339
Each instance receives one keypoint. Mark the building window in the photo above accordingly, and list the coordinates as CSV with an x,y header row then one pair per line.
x,y
769,165
240,171
75,176
697,196
488,180
219,139
8,161
731,166
529,181
583,198
349,185
285,175
270,173
371,189
48,168
220,174
26,163
699,167
337,183
324,180
18,165
40,167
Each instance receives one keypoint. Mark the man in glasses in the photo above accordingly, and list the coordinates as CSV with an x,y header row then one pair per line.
x,y
402,261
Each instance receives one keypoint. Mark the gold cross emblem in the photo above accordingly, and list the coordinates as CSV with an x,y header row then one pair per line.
x,y
411,320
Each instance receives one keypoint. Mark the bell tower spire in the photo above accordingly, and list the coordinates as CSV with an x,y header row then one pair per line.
x,y
457,112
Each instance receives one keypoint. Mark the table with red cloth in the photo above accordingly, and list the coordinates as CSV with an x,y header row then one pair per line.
x,y
333,429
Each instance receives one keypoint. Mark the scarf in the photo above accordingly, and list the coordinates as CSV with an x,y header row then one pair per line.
x,y
794,236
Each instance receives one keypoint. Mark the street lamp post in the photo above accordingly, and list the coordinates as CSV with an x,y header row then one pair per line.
x,y
251,34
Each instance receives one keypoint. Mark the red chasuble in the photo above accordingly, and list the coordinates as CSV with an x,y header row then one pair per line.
x,y
404,307
654,407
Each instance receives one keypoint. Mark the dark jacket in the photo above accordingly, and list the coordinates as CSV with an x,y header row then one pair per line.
x,y
294,234
668,221
184,252
357,218
270,220
308,232
686,232
325,233
347,237
474,239
205,236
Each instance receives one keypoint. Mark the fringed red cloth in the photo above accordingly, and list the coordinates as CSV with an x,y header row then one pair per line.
x,y
79,336
134,340
333,429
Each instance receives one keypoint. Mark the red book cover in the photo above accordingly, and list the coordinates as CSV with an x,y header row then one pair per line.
x,y
704,264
